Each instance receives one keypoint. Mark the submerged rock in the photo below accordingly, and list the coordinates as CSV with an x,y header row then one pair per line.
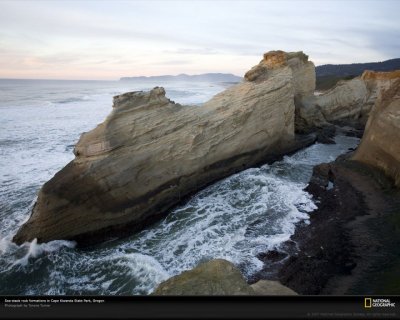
x,y
380,145
218,277
151,152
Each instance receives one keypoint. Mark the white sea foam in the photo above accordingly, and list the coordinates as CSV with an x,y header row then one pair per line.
x,y
34,250
112,272
243,215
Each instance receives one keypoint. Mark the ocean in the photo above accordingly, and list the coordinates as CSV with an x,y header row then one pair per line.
x,y
236,218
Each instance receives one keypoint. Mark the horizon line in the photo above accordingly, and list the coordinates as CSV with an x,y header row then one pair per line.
x,y
178,74
119,79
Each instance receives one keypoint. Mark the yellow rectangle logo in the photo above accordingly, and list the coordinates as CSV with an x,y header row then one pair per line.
x,y
367,302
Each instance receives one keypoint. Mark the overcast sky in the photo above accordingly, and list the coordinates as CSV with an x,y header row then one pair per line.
x,y
111,39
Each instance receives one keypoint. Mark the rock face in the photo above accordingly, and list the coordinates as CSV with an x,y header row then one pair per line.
x,y
349,100
218,277
302,69
377,82
268,287
380,145
150,152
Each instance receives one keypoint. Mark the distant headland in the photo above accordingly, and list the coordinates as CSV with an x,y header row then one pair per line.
x,y
206,77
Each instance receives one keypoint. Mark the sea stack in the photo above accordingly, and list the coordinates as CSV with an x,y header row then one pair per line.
x,y
150,152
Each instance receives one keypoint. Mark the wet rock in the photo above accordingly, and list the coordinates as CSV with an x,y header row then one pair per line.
x,y
326,134
337,250
272,256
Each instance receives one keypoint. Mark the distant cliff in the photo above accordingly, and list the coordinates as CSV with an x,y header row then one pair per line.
x,y
206,77
329,74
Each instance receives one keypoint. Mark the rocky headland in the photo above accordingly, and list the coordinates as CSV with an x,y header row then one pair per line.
x,y
150,153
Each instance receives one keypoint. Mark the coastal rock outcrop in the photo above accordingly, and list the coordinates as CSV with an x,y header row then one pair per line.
x,y
151,152
302,69
377,82
380,145
218,277
271,288
349,101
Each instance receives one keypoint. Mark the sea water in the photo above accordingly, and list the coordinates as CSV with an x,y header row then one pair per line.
x,y
236,218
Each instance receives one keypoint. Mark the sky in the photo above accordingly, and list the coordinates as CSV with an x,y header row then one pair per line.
x,y
106,40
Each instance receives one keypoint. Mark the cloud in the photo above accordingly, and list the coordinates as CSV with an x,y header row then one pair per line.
x,y
178,36
193,51
173,62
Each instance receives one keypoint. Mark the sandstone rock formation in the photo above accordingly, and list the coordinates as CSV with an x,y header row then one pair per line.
x,y
151,152
349,100
377,82
380,145
218,277
271,288
302,69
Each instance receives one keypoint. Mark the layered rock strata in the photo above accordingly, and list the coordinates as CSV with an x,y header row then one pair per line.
x,y
380,145
218,277
349,101
151,152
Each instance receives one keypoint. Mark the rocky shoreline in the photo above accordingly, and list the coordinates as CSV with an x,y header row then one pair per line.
x,y
339,248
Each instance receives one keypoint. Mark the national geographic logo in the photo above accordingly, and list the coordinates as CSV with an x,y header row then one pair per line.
x,y
378,303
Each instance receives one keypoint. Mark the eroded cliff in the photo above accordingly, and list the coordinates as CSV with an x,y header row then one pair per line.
x,y
349,101
380,145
